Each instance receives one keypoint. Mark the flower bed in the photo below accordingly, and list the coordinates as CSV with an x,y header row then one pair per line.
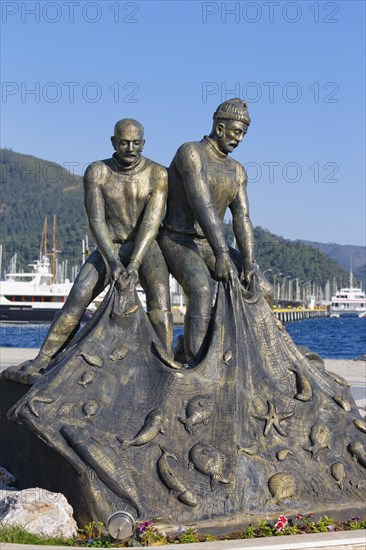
x,y
147,534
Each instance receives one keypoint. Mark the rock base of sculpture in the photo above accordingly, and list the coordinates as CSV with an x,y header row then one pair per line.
x,y
39,511
7,480
33,463
254,430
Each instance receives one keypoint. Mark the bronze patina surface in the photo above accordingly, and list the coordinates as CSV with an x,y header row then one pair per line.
x,y
203,182
233,435
125,199
245,425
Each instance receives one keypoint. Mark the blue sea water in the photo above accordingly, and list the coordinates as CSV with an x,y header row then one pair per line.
x,y
343,338
333,338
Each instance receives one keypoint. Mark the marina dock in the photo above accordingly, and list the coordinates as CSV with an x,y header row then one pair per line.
x,y
286,315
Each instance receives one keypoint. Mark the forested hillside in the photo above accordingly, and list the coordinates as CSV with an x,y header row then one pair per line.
x,y
348,256
296,259
32,188
293,258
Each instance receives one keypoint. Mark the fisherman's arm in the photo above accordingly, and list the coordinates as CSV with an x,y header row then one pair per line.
x,y
152,217
200,199
95,210
242,226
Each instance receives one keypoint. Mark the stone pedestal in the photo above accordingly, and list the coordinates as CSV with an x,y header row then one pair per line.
x,y
255,430
31,461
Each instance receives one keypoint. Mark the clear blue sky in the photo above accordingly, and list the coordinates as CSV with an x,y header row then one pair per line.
x,y
169,64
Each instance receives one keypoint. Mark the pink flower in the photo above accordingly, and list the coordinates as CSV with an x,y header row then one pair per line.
x,y
144,526
299,516
311,515
281,523
283,519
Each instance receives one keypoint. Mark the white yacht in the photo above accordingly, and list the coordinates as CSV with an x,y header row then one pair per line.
x,y
348,301
33,296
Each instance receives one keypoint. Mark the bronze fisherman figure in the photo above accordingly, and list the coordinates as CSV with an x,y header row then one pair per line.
x,y
125,200
203,182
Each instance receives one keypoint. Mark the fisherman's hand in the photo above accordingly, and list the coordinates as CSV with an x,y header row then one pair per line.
x,y
247,273
117,268
133,271
223,267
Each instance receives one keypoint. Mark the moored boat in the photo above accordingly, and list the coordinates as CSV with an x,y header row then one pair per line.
x,y
33,296
348,301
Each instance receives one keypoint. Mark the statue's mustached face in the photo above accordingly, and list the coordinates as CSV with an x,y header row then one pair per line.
x,y
128,143
230,133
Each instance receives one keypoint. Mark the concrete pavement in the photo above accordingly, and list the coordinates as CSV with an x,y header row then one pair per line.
x,y
341,540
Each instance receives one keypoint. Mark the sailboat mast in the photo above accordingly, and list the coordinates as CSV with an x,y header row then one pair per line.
x,y
45,237
350,273
53,265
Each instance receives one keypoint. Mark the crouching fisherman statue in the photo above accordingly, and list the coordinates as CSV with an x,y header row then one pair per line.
x,y
203,182
125,200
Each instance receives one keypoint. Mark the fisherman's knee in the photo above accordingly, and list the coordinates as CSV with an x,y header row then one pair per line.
x,y
199,295
78,300
158,297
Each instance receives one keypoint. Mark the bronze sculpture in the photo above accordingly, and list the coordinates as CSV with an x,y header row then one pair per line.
x,y
203,182
124,200
251,429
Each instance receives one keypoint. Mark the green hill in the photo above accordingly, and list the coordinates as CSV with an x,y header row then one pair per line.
x,y
296,259
32,188
348,256
292,258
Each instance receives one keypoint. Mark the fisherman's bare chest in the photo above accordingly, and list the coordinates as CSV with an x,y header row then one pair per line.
x,y
130,188
222,180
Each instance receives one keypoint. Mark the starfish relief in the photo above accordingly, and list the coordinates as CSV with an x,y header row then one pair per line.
x,y
273,419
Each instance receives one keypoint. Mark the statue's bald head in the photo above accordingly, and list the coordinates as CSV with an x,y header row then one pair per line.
x,y
126,124
128,140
